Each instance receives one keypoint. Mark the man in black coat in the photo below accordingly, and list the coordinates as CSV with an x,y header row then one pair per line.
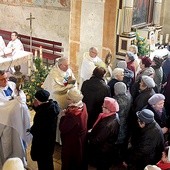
x,y
147,146
44,130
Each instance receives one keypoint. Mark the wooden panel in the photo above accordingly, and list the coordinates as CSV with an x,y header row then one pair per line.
x,y
109,27
50,49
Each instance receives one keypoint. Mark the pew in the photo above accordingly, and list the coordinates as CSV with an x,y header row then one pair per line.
x,y
51,50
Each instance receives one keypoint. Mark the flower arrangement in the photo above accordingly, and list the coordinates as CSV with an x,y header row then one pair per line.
x,y
142,44
35,81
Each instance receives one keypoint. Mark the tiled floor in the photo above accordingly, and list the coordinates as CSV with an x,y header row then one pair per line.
x,y
56,157
32,165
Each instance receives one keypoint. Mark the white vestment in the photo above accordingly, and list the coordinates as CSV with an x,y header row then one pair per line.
x,y
16,45
55,84
14,122
2,43
87,67
15,94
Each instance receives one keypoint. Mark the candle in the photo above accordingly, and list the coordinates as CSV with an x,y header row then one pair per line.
x,y
167,38
35,55
41,52
29,65
160,38
129,3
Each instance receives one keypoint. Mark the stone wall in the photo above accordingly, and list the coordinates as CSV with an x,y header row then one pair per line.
x,y
166,17
52,24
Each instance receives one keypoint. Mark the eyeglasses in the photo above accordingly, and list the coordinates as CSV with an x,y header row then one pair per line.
x,y
104,107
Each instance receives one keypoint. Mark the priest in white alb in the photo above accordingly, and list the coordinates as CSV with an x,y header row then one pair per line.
x,y
89,63
14,120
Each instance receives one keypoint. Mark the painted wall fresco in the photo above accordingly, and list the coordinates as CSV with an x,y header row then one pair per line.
x,y
39,3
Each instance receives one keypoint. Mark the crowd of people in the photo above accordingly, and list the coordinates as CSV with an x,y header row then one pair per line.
x,y
122,121
117,122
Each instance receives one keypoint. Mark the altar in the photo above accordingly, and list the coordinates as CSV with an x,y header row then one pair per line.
x,y
23,58
159,53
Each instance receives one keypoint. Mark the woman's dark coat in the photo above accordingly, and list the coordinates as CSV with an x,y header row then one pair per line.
x,y
44,130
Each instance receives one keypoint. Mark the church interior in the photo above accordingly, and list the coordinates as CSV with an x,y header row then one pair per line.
x,y
77,25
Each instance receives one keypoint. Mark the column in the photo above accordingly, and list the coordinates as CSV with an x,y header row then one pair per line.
x,y
156,19
157,12
126,37
128,15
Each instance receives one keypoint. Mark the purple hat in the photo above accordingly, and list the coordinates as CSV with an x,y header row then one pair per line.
x,y
156,98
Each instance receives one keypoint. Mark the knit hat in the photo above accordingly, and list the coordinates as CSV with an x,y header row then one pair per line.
x,y
111,104
148,81
145,115
149,72
122,64
120,88
146,61
99,72
42,95
156,98
13,163
152,167
75,95
158,61
130,55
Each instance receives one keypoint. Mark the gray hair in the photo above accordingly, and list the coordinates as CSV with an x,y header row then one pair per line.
x,y
93,48
61,60
134,47
117,71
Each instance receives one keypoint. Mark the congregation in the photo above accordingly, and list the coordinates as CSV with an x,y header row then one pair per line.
x,y
117,121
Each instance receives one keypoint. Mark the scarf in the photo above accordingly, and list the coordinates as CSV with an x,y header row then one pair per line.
x,y
102,116
163,165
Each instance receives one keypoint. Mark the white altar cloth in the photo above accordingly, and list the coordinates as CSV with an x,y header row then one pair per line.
x,y
23,58
159,52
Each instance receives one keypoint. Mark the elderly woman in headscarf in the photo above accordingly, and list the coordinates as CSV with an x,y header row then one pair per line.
x,y
156,105
103,136
145,92
128,74
73,128
124,100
